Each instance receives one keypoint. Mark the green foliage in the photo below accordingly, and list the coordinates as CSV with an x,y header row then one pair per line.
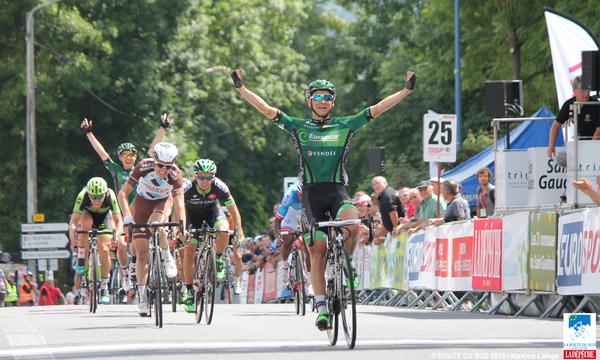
x,y
122,63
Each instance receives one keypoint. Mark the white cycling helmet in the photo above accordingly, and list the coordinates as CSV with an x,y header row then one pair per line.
x,y
165,152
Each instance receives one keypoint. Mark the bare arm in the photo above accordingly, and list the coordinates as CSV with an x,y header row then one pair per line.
x,y
165,122
86,125
392,100
596,135
237,220
123,198
552,137
118,224
72,227
586,187
256,101
179,213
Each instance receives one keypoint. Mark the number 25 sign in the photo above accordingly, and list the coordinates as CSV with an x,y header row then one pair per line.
x,y
439,138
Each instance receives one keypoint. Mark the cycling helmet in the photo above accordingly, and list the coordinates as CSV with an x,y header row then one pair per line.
x,y
126,147
205,166
165,152
97,186
321,84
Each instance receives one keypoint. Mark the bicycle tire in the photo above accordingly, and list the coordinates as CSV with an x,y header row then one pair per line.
x,y
294,284
94,281
209,285
149,294
174,294
347,300
300,283
198,288
158,286
332,330
227,285
114,284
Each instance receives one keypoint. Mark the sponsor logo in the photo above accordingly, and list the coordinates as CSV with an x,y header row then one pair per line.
x,y
212,196
329,137
570,261
321,153
579,336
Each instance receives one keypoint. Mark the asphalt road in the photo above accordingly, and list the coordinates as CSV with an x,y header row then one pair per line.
x,y
271,332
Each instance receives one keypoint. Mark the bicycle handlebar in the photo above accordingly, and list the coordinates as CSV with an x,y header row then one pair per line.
x,y
338,223
95,232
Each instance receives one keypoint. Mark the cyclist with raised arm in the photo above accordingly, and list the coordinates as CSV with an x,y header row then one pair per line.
x,y
322,143
128,154
203,199
289,218
96,207
154,179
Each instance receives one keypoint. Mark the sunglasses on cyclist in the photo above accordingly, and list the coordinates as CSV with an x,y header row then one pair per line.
x,y
205,178
319,97
128,154
97,197
164,166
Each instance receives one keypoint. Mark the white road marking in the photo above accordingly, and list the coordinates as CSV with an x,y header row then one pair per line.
x,y
98,349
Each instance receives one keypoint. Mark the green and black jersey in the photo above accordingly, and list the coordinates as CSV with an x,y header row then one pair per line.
x,y
323,146
83,202
119,176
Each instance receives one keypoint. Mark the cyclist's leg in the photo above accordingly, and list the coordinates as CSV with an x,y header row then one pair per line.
x,y
85,224
143,213
219,221
344,210
104,222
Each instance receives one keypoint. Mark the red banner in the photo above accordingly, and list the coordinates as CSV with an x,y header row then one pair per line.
x,y
462,256
270,283
441,257
250,299
487,255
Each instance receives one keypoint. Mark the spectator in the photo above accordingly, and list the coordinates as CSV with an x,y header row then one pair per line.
x,y
486,193
588,121
27,291
390,208
72,296
362,201
436,186
49,294
457,208
415,201
403,195
12,298
587,188
2,288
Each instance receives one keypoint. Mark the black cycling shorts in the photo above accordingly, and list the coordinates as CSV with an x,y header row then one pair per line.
x,y
214,215
321,198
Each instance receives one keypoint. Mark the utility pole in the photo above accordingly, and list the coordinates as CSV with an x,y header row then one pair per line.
x,y
30,114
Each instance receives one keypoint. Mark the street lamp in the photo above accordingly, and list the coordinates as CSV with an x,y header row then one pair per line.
x,y
30,115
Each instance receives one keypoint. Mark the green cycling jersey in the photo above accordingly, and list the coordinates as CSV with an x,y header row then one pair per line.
x,y
323,146
83,202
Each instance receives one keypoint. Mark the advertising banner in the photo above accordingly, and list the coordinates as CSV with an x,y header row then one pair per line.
x,y
487,254
270,283
547,180
362,264
591,252
542,251
380,270
515,244
398,254
570,253
244,294
258,286
512,176
421,257
588,167
461,256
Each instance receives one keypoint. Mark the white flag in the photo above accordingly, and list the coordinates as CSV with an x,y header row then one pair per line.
x,y
568,39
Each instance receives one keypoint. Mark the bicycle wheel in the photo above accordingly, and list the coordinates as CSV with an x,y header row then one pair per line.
x,y
93,271
114,284
227,284
332,284
294,283
300,284
198,287
174,293
347,299
158,289
149,294
209,284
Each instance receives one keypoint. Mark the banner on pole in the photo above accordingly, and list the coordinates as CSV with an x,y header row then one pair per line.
x,y
487,254
542,251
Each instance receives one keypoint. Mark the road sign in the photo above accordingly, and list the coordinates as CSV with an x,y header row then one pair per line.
x,y
38,218
45,254
53,264
45,227
289,181
439,138
44,241
42,265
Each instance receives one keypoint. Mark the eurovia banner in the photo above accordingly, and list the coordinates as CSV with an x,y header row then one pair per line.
x,y
380,277
399,257
542,251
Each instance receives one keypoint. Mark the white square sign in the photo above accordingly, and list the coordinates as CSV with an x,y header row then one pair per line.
x,y
439,138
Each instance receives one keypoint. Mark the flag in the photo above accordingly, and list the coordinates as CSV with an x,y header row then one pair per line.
x,y
568,38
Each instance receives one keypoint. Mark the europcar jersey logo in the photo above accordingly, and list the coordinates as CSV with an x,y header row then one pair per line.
x,y
579,336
